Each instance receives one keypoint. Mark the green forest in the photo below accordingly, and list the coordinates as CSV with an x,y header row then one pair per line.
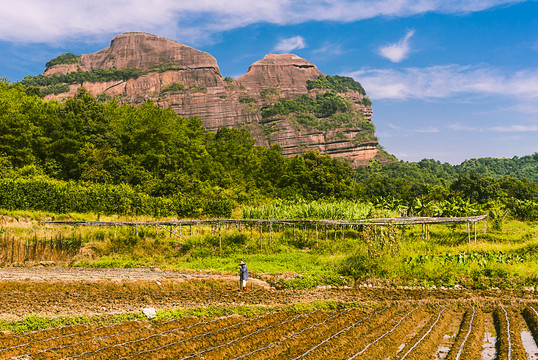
x,y
85,155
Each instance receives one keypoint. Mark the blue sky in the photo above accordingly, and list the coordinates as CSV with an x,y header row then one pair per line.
x,y
449,79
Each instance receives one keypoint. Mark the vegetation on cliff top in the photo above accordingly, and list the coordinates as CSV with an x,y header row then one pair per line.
x,y
79,77
337,83
323,105
57,84
66,58
327,111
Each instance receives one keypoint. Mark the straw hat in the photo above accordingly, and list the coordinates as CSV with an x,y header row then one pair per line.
x,y
242,262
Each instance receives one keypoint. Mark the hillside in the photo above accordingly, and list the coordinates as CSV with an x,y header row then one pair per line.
x,y
282,99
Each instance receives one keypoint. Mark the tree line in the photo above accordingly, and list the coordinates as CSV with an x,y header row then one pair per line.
x,y
84,146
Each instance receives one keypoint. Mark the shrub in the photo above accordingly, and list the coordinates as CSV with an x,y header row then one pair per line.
x,y
55,89
366,101
336,83
177,86
247,100
163,67
67,58
79,77
323,106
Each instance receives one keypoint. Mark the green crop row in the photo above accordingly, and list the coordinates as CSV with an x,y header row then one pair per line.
x,y
482,258
61,197
298,209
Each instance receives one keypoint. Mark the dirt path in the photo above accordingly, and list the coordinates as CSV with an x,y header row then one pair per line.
x,y
59,291
39,273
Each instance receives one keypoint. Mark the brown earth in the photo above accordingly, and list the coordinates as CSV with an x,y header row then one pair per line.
x,y
395,331
79,291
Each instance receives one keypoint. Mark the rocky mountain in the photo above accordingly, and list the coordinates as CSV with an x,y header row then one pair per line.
x,y
282,99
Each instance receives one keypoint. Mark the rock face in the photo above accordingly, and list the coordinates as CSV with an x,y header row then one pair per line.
x,y
189,81
287,72
140,51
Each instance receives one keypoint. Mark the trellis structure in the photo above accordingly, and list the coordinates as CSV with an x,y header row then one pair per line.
x,y
261,223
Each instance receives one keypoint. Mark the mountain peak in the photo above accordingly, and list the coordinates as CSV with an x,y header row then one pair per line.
x,y
189,81
141,51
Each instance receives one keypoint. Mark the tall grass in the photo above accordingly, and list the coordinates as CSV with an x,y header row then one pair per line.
x,y
300,209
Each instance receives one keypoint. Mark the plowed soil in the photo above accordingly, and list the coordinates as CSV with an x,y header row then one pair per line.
x,y
77,291
403,324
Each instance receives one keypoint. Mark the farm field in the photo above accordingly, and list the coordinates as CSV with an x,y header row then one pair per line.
x,y
312,295
362,323
393,330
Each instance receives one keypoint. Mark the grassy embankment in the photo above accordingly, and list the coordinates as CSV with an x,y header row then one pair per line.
x,y
298,257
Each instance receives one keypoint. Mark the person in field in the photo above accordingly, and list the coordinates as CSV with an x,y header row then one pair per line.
x,y
243,275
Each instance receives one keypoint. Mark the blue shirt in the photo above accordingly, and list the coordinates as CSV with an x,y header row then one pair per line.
x,y
243,272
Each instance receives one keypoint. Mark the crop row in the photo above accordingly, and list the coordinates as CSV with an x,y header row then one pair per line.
x,y
400,332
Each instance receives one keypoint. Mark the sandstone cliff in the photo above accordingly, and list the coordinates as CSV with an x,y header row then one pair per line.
x,y
189,81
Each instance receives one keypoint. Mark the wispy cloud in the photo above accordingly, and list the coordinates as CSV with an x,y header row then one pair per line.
x,y
448,81
398,51
329,49
460,127
508,128
195,21
293,43
515,128
421,130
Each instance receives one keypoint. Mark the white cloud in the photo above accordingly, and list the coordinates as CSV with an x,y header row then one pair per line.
x,y
293,43
421,130
195,21
460,127
448,81
515,128
329,49
398,51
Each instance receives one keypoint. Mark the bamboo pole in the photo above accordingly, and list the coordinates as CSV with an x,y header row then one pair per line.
x,y
270,233
335,231
261,234
220,241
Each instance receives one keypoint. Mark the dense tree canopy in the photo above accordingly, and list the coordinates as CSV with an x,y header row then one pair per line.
x,y
153,150
146,152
